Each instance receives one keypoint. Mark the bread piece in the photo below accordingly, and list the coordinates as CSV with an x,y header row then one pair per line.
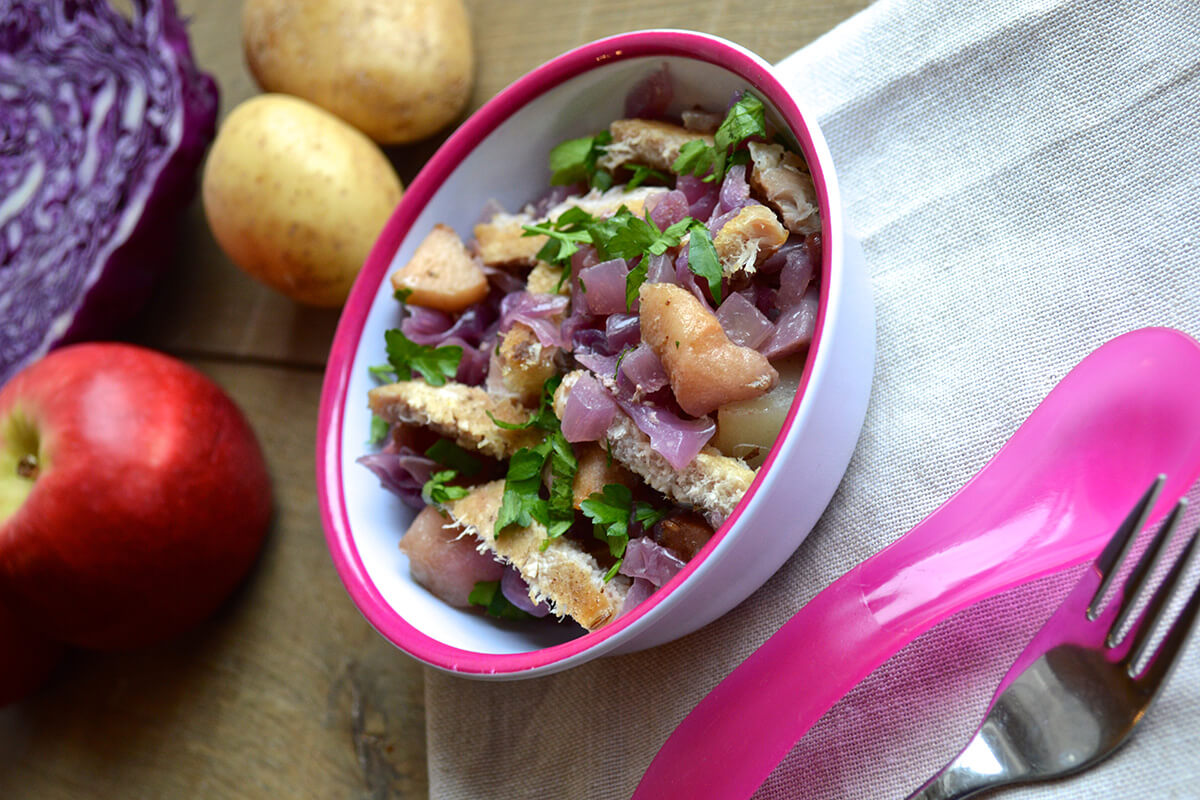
x,y
525,364
781,178
563,574
648,142
501,241
456,411
544,279
596,470
751,236
441,273
712,484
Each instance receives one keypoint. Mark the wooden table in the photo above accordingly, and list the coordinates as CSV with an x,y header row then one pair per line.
x,y
288,692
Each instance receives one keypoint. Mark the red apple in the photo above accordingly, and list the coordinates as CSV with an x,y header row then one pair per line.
x,y
133,496
26,661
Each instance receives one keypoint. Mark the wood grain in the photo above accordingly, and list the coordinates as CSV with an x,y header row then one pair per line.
x,y
288,692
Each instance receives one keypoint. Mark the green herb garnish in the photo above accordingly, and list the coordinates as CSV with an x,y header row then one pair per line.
x,y
703,261
574,161
495,604
379,429
437,491
642,173
744,119
435,364
611,510
448,454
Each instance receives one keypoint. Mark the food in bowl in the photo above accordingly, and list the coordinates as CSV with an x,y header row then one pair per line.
x,y
577,396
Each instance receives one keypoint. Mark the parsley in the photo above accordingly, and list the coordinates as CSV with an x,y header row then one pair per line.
x,y
641,173
703,261
574,161
523,502
626,235
379,429
634,281
402,294
745,118
611,510
384,373
435,364
448,454
438,491
495,604
565,233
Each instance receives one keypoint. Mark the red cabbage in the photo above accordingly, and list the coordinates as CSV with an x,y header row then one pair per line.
x,y
539,312
641,367
588,412
649,560
670,208
516,591
701,196
639,590
744,324
735,192
676,439
603,286
105,122
651,96
401,470
621,331
794,328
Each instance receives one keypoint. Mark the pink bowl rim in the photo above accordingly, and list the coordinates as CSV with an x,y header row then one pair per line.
x,y
340,541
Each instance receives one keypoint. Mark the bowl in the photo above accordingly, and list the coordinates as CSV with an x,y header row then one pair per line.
x,y
500,152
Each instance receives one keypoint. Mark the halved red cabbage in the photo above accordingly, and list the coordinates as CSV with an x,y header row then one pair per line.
x,y
104,123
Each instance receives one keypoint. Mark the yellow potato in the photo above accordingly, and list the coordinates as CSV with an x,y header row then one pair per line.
x,y
398,70
747,429
296,197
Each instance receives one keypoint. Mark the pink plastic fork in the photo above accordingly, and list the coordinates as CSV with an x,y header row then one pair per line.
x,y
1047,500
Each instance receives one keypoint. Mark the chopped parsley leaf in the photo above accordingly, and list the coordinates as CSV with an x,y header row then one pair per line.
x,y
435,364
703,261
448,454
402,294
745,118
611,510
574,161
642,173
437,490
379,429
495,604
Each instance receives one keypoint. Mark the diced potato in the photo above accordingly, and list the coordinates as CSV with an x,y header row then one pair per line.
x,y
596,470
445,561
747,429
441,274
705,369
525,364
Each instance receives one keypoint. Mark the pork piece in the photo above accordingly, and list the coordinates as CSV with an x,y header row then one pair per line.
x,y
444,559
525,364
647,142
596,470
746,240
705,369
441,274
781,178
685,533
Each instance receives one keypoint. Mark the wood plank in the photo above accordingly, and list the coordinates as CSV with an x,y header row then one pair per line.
x,y
287,689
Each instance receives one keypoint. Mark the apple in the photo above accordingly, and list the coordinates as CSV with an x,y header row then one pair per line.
x,y
27,661
133,496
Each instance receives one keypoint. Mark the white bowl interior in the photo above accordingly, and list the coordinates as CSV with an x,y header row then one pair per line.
x,y
509,166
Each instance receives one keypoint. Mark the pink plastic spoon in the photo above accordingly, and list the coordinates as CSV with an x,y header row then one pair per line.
x,y
1050,498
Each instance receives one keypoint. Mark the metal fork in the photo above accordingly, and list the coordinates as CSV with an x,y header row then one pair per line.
x,y
1078,690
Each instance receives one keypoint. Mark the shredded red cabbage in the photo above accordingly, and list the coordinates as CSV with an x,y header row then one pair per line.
x,y
676,439
621,331
641,367
588,412
604,286
794,329
744,324
539,312
649,560
402,471
105,122
516,591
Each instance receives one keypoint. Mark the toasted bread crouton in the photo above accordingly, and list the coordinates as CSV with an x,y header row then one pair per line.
x,y
712,484
564,575
545,279
648,142
525,363
455,411
744,241
781,178
502,240
596,470
441,273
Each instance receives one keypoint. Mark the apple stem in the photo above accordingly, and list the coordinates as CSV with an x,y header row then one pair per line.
x,y
27,467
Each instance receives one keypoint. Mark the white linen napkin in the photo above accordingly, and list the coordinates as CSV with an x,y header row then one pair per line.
x,y
1025,179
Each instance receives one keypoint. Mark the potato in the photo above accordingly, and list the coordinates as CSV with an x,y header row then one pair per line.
x,y
747,429
296,197
398,70
441,274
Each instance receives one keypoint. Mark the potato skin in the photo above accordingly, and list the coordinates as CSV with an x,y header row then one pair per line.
x,y
398,70
296,197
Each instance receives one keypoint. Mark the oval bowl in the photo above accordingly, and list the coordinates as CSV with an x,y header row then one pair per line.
x,y
500,152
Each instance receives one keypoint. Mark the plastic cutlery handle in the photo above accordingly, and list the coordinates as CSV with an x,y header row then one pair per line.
x,y
1048,499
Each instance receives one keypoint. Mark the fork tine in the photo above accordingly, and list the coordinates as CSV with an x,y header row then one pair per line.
x,y
1118,546
1139,575
1156,671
